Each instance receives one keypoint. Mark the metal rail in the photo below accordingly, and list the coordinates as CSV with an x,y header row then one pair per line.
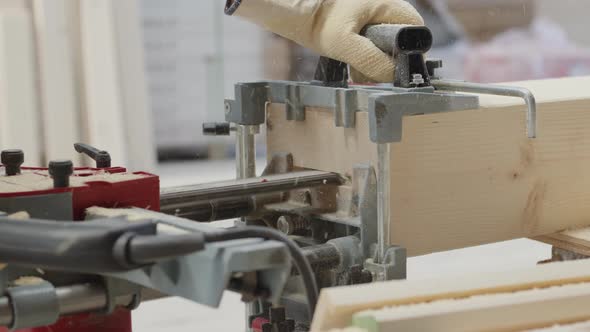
x,y
72,299
178,197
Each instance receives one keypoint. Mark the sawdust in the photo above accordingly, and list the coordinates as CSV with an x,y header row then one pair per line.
x,y
27,281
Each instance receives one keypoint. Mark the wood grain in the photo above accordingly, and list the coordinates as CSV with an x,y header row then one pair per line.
x,y
337,306
466,178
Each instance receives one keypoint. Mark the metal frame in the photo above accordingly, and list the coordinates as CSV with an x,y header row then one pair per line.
x,y
387,105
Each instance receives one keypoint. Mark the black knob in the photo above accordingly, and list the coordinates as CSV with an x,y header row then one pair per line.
x,y
12,159
60,171
102,158
432,65
216,129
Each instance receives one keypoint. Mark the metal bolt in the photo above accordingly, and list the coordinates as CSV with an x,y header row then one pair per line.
x,y
292,225
12,159
60,171
417,79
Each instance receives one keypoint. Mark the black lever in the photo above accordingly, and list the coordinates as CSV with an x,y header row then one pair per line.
x,y
95,246
102,158
216,128
331,73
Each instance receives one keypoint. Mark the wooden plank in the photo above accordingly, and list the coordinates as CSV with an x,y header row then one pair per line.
x,y
466,178
58,88
337,305
516,311
19,116
576,240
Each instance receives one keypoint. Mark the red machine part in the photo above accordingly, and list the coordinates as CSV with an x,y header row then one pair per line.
x,y
142,192
258,323
118,321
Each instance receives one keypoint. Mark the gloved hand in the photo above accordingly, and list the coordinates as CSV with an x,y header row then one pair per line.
x,y
331,27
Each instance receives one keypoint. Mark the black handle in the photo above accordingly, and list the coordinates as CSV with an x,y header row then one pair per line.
x,y
95,246
407,44
68,246
102,158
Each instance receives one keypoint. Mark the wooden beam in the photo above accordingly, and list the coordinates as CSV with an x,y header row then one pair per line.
x,y
466,178
337,306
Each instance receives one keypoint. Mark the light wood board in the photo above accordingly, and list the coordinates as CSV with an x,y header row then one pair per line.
x,y
19,102
337,306
466,178
514,311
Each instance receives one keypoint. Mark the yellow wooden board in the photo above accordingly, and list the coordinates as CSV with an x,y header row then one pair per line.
x,y
466,178
338,305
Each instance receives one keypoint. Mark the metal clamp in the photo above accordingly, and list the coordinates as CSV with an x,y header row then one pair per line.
x,y
498,90
249,105
33,305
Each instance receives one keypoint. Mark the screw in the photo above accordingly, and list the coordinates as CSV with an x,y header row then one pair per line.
x,y
60,171
417,79
227,107
12,159
292,225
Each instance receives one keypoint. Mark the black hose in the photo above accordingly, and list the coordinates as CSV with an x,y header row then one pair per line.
x,y
299,260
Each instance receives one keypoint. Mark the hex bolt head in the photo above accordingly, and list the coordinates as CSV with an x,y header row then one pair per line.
x,y
60,171
12,160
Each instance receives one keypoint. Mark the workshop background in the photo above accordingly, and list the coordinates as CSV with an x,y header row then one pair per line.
x,y
139,77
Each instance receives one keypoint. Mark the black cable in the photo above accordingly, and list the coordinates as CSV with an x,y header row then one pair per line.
x,y
299,260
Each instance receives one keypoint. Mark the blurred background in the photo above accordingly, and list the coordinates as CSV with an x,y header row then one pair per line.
x,y
139,77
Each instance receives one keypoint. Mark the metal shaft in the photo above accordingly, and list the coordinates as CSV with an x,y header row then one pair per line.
x,y
177,197
206,211
72,299
246,168
383,200
246,151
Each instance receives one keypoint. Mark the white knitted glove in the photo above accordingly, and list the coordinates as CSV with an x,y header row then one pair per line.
x,y
331,27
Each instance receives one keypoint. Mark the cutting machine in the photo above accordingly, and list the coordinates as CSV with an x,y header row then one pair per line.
x,y
82,245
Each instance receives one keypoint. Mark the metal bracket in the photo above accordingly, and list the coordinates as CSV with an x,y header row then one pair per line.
x,y
386,111
393,266
295,109
204,276
33,305
345,108
248,108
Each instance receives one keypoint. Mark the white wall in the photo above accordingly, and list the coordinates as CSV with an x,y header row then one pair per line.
x,y
572,15
194,56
